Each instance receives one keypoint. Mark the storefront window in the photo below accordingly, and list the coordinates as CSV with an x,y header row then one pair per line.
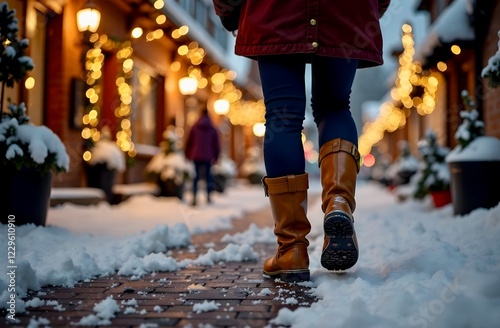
x,y
144,105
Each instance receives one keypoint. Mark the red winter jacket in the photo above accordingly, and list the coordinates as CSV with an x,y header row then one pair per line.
x,y
336,28
203,141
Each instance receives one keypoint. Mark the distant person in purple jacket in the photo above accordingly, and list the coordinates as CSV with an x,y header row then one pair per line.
x,y
203,148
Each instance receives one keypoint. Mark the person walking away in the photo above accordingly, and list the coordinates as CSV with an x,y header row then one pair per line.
x,y
203,148
336,38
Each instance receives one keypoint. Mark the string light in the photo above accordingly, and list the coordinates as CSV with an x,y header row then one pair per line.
x,y
124,110
393,113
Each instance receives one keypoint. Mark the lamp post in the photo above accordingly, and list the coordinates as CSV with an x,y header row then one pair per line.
x,y
188,85
88,18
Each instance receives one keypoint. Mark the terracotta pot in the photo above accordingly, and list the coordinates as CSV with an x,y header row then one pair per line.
x,y
441,198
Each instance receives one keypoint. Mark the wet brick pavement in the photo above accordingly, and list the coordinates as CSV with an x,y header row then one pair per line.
x,y
164,299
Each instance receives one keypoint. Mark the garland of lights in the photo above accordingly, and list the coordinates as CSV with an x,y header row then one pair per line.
x,y
124,110
93,65
94,59
393,113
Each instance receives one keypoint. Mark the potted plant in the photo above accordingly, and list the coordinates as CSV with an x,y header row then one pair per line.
x,y
253,168
492,70
169,168
105,162
223,171
433,176
474,163
28,154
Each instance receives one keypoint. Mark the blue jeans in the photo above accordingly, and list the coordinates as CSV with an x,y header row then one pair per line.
x,y
202,171
283,85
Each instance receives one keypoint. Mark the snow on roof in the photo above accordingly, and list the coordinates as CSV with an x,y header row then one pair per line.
x,y
451,25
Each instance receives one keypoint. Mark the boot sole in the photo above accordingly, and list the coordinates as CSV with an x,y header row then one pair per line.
x,y
341,252
289,275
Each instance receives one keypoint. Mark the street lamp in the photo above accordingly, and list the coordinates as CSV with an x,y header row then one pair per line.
x,y
221,107
188,85
88,18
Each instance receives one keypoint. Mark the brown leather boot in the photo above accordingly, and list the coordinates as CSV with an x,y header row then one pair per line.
x,y
339,165
288,198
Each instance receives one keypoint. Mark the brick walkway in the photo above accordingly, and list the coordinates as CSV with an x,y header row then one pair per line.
x,y
234,286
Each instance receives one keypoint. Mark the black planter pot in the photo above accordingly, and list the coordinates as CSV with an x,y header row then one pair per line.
x,y
99,176
25,194
169,188
474,185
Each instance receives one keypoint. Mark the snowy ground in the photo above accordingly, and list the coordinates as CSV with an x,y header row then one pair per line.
x,y
418,267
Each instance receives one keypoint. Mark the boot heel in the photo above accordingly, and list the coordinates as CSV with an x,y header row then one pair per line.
x,y
341,252
295,276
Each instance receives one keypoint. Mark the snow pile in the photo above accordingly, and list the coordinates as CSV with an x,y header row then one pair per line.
x,y
107,152
206,306
418,267
104,312
252,236
484,148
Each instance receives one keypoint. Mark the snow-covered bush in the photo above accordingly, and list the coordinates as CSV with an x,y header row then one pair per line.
x,y
433,174
405,166
106,151
170,163
471,127
492,70
225,167
22,145
473,145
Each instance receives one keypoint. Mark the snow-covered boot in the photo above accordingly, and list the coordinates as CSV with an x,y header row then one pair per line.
x,y
339,166
288,198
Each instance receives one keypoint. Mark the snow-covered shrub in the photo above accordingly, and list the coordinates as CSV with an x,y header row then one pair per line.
x,y
225,167
23,145
170,163
492,70
471,127
433,173
106,151
405,166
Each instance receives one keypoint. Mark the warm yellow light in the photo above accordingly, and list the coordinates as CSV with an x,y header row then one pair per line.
x,y
161,19
128,65
175,34
159,4
406,28
221,106
183,30
175,66
218,78
29,83
158,33
456,49
137,32
87,156
259,129
88,18
442,66
188,85
183,50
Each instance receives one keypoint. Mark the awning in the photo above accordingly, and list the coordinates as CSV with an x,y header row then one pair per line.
x,y
452,26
